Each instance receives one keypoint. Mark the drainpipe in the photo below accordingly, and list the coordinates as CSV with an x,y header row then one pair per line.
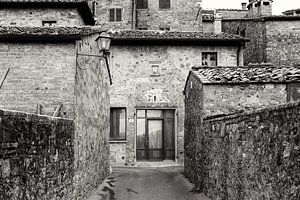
x,y
244,6
94,9
132,14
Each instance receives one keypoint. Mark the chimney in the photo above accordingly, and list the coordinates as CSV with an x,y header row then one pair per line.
x,y
244,6
218,23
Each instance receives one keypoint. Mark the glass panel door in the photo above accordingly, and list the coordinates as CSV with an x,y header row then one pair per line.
x,y
141,139
155,134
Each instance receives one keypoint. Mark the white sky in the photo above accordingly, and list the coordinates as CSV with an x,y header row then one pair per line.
x,y
278,5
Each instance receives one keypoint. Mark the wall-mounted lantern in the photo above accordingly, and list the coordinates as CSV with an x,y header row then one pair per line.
x,y
103,43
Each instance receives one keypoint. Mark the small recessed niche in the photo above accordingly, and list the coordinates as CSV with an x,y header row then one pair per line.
x,y
155,70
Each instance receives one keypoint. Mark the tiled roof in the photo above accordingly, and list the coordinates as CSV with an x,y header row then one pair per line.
x,y
292,11
36,33
42,1
267,18
251,74
170,35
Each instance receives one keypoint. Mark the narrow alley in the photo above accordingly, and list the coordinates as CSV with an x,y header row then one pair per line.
x,y
167,183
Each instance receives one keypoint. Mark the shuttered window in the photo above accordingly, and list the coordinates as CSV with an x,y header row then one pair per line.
x,y
117,124
115,14
142,4
164,4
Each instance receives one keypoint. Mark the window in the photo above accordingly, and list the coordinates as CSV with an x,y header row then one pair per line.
x,y
142,4
115,14
117,124
266,3
164,28
164,4
209,59
243,32
48,23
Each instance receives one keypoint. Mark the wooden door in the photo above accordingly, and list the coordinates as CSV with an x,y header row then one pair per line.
x,y
155,135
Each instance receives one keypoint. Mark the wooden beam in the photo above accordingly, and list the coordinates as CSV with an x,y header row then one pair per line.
x,y
57,110
4,77
38,109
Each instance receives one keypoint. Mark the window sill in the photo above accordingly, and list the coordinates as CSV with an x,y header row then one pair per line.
x,y
143,9
118,141
155,75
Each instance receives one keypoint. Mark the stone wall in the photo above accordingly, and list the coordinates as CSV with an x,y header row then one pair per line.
x,y
193,114
183,15
92,118
283,42
36,156
35,16
102,14
271,41
41,73
224,99
246,156
232,13
255,50
135,82
56,74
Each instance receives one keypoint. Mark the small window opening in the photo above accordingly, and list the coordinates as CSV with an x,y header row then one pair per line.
x,y
209,58
266,3
164,28
115,14
48,23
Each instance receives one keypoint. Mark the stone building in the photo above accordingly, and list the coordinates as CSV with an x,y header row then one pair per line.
x,y
47,69
175,15
227,150
227,90
149,69
273,39
45,13
295,12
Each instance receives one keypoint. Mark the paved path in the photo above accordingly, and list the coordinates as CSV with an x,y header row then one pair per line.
x,y
146,184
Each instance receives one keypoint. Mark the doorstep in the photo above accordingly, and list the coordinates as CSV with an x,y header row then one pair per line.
x,y
166,163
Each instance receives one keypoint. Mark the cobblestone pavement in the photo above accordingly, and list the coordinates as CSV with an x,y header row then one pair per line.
x,y
166,183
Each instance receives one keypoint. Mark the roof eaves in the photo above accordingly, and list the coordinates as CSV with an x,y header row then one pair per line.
x,y
15,33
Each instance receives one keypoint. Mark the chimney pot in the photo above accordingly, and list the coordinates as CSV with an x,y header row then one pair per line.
x,y
244,6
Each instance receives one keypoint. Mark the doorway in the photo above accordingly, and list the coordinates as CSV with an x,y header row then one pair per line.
x,y
155,135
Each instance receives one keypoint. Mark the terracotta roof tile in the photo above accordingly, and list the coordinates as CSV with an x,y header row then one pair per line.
x,y
170,35
44,33
257,74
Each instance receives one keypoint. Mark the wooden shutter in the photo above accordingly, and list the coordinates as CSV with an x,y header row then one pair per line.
x,y
118,14
111,15
142,4
164,4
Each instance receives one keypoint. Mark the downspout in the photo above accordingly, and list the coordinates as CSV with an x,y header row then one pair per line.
x,y
132,14
238,56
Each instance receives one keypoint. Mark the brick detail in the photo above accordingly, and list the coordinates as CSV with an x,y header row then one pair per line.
x,y
40,74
